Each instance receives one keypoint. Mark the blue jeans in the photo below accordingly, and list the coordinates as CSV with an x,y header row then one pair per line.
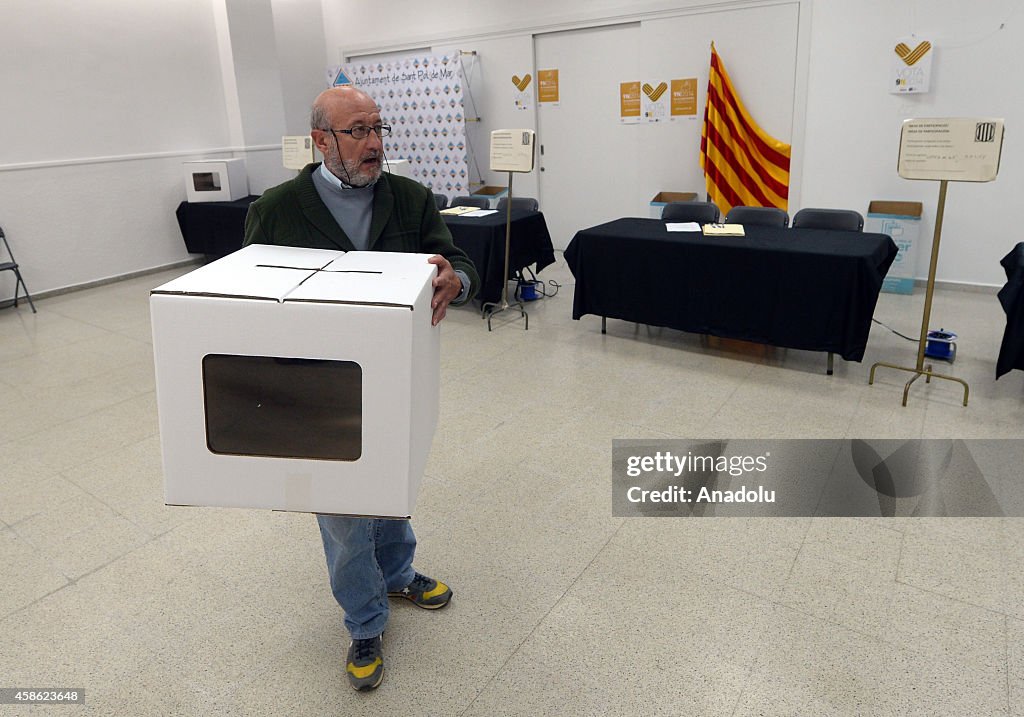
x,y
366,558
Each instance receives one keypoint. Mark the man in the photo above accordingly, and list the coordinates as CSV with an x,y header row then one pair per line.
x,y
349,203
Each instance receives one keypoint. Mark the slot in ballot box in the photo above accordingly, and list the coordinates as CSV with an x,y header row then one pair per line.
x,y
298,379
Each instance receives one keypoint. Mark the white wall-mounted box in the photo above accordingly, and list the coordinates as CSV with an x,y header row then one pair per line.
x,y
215,180
298,379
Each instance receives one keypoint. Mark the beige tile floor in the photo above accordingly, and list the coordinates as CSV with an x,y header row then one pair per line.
x,y
560,609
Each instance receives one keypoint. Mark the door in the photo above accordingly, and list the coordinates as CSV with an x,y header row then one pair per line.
x,y
588,161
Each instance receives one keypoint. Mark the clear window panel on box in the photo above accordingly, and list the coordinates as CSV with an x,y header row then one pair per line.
x,y
283,407
206,181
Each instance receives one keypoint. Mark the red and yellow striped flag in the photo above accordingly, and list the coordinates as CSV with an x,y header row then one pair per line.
x,y
742,164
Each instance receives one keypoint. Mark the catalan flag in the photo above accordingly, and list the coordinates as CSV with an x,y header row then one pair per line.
x,y
742,164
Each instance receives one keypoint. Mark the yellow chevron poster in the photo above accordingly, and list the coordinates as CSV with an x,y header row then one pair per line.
x,y
523,95
655,100
911,66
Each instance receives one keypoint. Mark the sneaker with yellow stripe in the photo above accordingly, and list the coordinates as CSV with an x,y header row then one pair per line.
x,y
365,663
426,592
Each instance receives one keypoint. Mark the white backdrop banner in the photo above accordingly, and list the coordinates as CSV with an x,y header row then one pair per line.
x,y
421,97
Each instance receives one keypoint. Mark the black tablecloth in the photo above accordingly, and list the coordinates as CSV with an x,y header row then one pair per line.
x,y
1011,296
800,288
483,239
214,228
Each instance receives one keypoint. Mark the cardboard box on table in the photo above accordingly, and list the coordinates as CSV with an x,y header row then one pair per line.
x,y
298,379
215,180
659,200
491,193
902,222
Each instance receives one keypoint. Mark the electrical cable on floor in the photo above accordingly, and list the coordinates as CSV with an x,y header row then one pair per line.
x,y
544,289
902,336
538,285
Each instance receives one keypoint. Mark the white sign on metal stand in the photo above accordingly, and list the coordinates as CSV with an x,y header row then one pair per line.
x,y
512,150
948,150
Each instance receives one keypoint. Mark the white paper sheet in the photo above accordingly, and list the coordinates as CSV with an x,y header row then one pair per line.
x,y
682,226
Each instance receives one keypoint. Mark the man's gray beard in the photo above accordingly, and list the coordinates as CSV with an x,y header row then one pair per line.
x,y
350,174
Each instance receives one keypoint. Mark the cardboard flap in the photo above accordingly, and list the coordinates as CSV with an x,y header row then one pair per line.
x,y
262,282
912,210
369,277
256,271
397,263
292,256
370,287
666,197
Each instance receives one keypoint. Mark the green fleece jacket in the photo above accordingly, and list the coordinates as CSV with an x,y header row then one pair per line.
x,y
405,218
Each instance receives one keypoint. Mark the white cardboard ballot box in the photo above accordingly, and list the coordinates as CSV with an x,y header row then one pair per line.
x,y
215,180
298,379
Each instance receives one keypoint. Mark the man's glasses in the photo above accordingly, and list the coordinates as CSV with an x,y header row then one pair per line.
x,y
361,131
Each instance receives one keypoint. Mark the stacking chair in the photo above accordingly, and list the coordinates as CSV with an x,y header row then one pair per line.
x,y
842,219
441,200
12,265
758,216
700,212
528,204
478,202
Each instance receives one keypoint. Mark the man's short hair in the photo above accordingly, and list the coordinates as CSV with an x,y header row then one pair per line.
x,y
318,117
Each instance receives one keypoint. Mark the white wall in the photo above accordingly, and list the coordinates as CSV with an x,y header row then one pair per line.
x,y
102,102
845,143
853,122
89,80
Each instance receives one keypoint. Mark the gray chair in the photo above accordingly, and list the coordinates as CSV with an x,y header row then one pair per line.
x,y
478,202
441,201
700,212
12,266
758,216
528,204
836,219
841,219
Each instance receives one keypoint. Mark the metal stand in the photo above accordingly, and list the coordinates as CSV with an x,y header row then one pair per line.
x,y
921,369
491,307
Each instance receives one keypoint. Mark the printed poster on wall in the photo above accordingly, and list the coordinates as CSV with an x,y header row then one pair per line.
x,y
683,99
911,66
629,102
547,87
523,95
655,101
421,97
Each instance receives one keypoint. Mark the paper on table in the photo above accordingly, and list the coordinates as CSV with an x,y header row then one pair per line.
x,y
480,213
682,226
456,211
724,230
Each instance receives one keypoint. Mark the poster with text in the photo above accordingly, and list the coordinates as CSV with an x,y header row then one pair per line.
x,y
547,87
421,97
523,92
629,102
683,99
655,101
911,66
